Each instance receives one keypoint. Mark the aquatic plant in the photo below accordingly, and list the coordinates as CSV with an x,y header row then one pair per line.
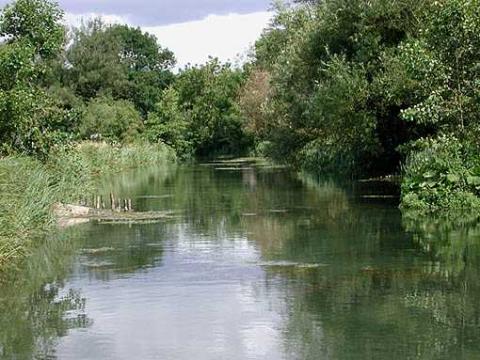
x,y
30,188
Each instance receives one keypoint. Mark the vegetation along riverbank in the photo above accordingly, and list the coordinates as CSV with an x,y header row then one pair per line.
x,y
30,188
359,88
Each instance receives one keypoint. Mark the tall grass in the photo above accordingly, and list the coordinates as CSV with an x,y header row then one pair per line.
x,y
26,194
30,188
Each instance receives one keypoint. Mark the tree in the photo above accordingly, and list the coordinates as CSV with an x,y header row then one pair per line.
x,y
444,63
443,169
94,66
253,102
36,22
325,111
119,61
114,120
169,124
198,114
33,34
208,95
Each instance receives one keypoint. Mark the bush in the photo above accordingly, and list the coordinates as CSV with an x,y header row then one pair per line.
x,y
114,120
442,172
253,102
168,124
206,96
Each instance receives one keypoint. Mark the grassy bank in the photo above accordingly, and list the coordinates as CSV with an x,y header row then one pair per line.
x,y
29,188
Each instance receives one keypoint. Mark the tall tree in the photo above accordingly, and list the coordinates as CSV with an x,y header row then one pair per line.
x,y
120,61
33,34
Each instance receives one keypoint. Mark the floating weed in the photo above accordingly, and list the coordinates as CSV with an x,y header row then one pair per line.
x,y
99,251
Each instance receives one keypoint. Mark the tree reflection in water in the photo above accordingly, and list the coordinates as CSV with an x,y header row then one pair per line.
x,y
35,307
349,276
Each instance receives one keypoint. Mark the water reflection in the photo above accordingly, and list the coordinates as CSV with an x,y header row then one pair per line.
x,y
110,251
261,263
37,306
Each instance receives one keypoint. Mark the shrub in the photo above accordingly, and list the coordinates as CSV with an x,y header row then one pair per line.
x,y
114,120
168,124
441,172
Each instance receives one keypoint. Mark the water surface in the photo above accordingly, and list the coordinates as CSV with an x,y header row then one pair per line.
x,y
257,263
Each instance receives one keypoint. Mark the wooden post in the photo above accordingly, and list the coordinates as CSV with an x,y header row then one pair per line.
x,y
112,201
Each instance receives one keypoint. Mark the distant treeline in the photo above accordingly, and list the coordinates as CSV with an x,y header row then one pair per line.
x,y
107,82
351,87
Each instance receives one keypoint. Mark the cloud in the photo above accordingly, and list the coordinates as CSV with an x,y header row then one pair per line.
x,y
227,27
161,12
227,37
222,36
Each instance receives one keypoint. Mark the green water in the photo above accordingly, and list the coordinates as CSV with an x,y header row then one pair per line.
x,y
257,263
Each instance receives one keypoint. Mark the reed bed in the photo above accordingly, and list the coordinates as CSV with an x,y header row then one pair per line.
x,y
30,188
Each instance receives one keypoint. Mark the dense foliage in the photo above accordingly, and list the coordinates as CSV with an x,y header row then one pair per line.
x,y
442,172
108,82
32,36
374,87
199,115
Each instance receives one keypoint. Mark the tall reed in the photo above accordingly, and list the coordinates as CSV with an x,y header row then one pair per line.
x,y
30,188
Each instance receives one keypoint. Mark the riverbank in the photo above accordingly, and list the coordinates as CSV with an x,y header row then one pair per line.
x,y
29,188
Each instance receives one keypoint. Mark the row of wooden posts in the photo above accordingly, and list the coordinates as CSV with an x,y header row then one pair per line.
x,y
116,204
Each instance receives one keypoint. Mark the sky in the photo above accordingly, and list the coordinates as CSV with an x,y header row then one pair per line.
x,y
192,29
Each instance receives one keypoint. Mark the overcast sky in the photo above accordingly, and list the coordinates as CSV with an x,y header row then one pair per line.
x,y
193,29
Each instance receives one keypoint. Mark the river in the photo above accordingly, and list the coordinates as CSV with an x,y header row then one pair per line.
x,y
256,262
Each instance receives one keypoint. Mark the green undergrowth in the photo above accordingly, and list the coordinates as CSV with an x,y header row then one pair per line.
x,y
29,188
442,174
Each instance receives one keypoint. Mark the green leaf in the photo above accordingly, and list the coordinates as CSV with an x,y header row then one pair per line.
x,y
473,180
453,178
